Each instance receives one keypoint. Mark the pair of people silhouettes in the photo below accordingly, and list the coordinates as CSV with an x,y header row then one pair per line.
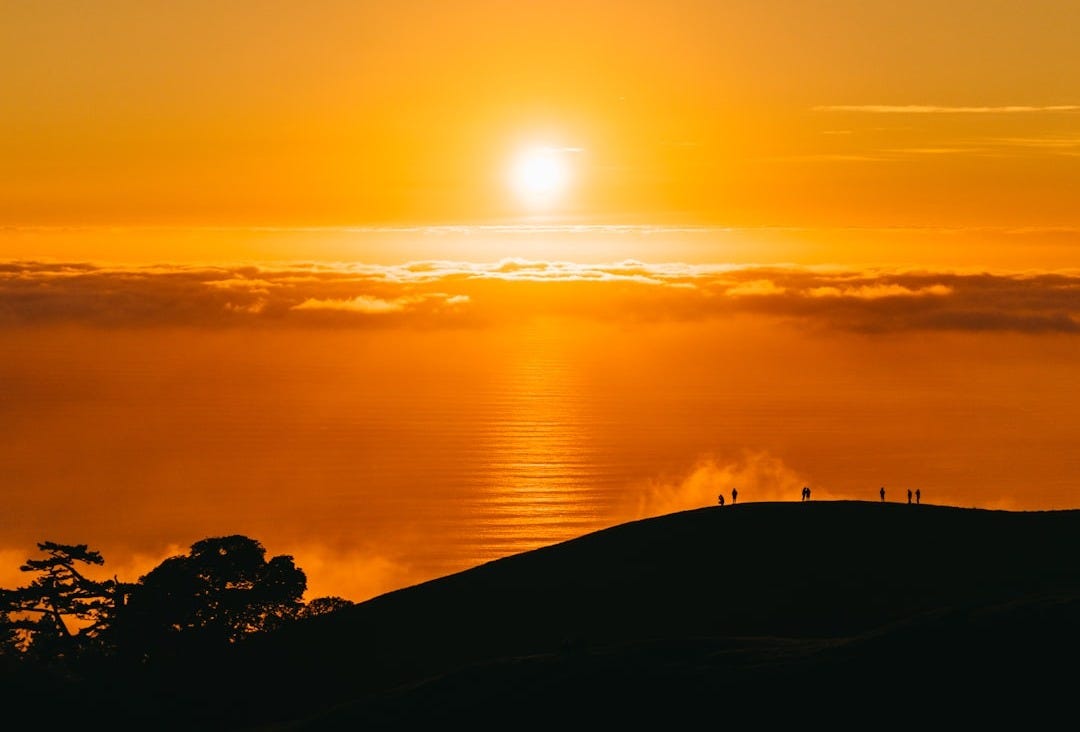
x,y
917,494
806,493
734,496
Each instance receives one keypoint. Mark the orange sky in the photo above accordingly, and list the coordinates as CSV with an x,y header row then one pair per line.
x,y
390,424
741,113
271,268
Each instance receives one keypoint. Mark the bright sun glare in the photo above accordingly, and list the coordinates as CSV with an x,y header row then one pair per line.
x,y
540,175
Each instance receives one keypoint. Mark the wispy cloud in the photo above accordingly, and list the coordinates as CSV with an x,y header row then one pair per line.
x,y
878,290
447,294
904,151
543,229
1039,142
943,109
369,305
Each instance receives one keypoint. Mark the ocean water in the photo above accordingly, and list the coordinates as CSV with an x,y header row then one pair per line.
x,y
383,457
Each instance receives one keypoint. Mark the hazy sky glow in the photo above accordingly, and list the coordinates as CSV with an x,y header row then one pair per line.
x,y
749,112
403,287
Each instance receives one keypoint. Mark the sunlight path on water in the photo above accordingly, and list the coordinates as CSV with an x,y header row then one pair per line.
x,y
541,473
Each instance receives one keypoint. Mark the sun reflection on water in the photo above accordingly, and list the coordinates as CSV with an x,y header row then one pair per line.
x,y
536,488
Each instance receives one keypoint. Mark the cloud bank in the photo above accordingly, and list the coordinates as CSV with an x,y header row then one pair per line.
x,y
444,294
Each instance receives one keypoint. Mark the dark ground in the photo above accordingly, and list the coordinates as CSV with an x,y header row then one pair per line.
x,y
847,613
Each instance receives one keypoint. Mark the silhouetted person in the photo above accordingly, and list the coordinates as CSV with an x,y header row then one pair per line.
x,y
734,495
909,495
882,493
720,499
806,490
918,495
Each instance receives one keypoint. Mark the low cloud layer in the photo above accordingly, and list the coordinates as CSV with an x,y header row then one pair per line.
x,y
757,476
442,294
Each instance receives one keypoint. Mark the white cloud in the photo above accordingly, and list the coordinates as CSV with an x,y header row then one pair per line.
x,y
359,304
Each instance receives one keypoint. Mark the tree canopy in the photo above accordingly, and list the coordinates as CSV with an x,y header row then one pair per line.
x,y
59,599
220,592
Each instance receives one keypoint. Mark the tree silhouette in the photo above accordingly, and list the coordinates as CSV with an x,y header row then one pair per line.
x,y
223,590
219,593
59,597
324,606
8,636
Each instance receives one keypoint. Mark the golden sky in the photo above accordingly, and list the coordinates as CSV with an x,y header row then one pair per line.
x,y
400,287
737,113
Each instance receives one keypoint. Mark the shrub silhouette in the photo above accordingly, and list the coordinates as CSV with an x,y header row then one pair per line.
x,y
324,606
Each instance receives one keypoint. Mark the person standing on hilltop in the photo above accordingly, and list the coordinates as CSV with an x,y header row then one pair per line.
x,y
918,495
882,493
909,495
734,495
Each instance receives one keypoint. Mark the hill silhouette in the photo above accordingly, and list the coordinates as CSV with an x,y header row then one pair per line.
x,y
852,613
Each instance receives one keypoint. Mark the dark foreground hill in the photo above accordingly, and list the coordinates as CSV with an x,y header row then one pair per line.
x,y
847,613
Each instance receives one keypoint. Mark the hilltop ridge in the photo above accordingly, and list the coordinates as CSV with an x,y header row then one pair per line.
x,y
775,613
717,596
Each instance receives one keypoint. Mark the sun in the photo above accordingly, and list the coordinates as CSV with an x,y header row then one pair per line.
x,y
540,175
